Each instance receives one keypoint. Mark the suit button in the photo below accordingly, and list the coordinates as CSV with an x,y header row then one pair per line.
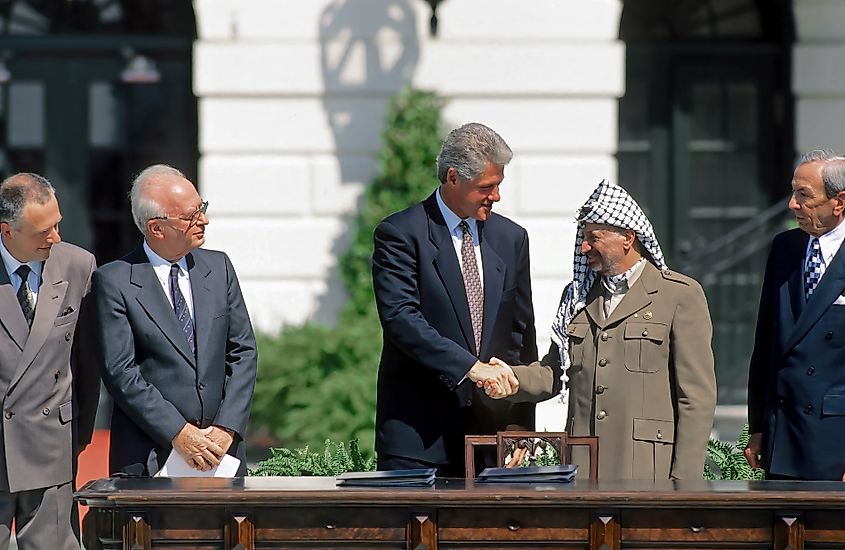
x,y
9,414
602,362
67,337
601,415
45,411
810,371
829,335
469,402
604,337
808,409
600,389
201,385
781,402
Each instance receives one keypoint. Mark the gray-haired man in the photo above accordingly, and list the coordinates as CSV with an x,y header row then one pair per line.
x,y
453,289
48,390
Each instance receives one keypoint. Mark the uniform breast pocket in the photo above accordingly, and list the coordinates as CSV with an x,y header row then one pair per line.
x,y
577,333
646,346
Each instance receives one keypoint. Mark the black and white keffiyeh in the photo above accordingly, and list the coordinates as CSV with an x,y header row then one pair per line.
x,y
608,204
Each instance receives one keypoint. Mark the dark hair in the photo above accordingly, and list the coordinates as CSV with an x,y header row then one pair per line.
x,y
20,189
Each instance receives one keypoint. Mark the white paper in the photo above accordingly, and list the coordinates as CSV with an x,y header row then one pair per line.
x,y
175,466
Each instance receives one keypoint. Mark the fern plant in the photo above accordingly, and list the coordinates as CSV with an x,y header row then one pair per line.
x,y
335,459
729,460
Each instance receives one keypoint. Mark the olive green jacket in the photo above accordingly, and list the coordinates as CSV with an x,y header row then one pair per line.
x,y
642,379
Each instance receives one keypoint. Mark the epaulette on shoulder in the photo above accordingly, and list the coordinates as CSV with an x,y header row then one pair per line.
x,y
675,277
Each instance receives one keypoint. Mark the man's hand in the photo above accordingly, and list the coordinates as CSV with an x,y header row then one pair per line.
x,y
194,445
497,379
222,437
754,448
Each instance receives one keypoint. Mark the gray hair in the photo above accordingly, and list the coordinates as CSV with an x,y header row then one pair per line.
x,y
18,190
144,207
833,170
469,149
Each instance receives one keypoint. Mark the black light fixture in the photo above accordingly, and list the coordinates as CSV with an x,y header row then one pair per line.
x,y
433,22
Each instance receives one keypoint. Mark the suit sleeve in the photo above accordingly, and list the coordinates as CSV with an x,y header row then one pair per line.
x,y
695,382
142,402
539,380
241,360
758,370
398,300
86,378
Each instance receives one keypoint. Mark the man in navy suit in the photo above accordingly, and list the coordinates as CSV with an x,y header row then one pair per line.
x,y
796,383
453,289
177,348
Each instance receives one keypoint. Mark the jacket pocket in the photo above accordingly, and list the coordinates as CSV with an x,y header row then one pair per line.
x,y
646,349
577,333
833,405
658,431
66,412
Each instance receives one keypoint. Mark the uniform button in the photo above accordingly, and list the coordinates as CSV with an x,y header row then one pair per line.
x,y
808,409
604,337
659,434
45,411
600,389
601,415
645,332
9,414
602,362
67,337
829,335
810,371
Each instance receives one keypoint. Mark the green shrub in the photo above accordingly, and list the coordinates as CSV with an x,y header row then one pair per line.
x,y
334,460
316,382
729,460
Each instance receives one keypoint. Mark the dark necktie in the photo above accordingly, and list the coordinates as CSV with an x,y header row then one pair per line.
x,y
25,296
180,307
472,284
812,269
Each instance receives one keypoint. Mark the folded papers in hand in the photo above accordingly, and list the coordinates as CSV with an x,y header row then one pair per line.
x,y
418,477
562,473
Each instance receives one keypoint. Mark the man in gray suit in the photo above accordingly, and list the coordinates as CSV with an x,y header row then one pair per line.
x,y
49,398
177,348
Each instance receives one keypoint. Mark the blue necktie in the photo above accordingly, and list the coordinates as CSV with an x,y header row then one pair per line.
x,y
180,307
812,269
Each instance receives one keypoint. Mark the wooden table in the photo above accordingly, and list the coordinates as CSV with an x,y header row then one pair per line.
x,y
312,513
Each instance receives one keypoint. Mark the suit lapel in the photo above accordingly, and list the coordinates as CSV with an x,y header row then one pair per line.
x,y
594,305
795,283
50,296
446,263
494,281
201,291
12,319
829,288
152,298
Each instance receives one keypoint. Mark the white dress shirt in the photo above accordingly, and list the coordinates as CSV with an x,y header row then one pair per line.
x,y
829,244
453,222
612,299
12,265
162,271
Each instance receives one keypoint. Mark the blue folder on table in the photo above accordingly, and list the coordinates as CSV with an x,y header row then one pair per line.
x,y
562,473
418,477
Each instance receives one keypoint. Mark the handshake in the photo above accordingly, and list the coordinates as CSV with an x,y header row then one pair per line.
x,y
496,377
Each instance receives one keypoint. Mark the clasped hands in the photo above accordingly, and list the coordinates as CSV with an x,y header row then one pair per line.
x,y
496,377
202,448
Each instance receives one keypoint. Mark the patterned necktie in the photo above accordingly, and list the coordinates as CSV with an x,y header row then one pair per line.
x,y
812,269
472,283
180,307
25,296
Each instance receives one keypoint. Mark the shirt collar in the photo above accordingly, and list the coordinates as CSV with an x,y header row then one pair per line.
x,y
158,262
619,284
830,242
453,220
13,264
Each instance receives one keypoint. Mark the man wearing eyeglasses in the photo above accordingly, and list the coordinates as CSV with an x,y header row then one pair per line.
x,y
178,351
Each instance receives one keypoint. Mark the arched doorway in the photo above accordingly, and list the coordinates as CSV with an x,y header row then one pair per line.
x,y
706,145
92,91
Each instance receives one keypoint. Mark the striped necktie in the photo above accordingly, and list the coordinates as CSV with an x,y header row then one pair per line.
x,y
180,307
812,268
472,284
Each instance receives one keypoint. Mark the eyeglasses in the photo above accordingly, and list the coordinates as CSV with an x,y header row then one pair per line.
x,y
190,218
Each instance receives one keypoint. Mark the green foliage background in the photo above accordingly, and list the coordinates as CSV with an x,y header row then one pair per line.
x,y
728,460
315,382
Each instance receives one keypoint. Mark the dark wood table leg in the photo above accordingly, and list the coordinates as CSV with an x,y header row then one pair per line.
x,y
239,533
136,532
789,532
421,532
605,533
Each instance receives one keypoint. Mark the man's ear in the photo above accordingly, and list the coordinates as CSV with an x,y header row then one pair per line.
x,y
154,229
451,176
5,229
629,238
839,204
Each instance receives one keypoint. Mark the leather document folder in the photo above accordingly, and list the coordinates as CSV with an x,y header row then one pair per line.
x,y
563,473
420,477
